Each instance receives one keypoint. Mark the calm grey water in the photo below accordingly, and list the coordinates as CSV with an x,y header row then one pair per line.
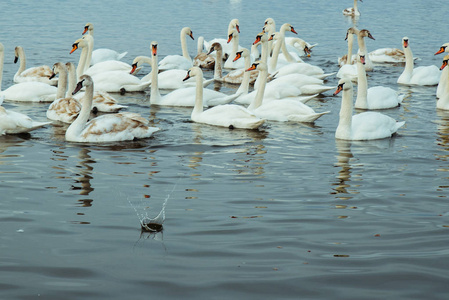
x,y
287,212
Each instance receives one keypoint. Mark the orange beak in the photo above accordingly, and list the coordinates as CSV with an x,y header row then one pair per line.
x,y
271,37
362,59
405,43
238,55
86,28
229,38
74,47
191,35
187,76
134,67
154,50
293,30
253,67
258,38
238,28
339,89
442,49
444,64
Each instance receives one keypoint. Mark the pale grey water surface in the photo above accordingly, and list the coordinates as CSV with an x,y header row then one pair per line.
x,y
287,212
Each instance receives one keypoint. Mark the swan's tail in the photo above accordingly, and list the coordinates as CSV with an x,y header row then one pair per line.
x,y
306,118
121,55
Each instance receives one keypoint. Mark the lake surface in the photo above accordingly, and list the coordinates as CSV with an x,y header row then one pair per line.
x,y
286,212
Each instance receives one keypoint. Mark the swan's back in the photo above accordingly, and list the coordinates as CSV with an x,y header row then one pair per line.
x,y
373,126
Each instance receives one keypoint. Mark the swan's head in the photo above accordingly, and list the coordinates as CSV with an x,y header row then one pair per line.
x,y
405,42
343,85
242,53
89,27
443,48
70,66
365,33
17,52
82,42
85,80
445,62
275,36
258,65
361,57
154,48
194,71
288,27
351,30
235,24
188,31
56,68
269,21
260,38
233,33
215,47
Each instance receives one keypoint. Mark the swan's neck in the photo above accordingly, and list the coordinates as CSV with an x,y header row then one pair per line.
x,y
443,102
344,125
275,56
198,108
255,51
409,63
78,125
287,54
362,87
362,47
258,99
218,67
235,43
155,95
62,84
81,68
185,52
90,40
244,85
355,5
200,45
350,45
23,60
71,81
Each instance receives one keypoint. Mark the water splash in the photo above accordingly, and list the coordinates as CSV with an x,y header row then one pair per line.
x,y
152,224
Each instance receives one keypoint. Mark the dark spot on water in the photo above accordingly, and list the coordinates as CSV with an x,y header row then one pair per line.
x,y
151,227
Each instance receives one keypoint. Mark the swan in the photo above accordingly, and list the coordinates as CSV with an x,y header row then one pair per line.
x,y
364,126
12,122
183,61
235,76
184,96
110,81
280,110
105,128
102,102
102,54
378,97
443,102
229,115
231,63
442,85
227,48
348,59
64,109
428,75
39,74
32,91
167,80
202,59
352,11
99,67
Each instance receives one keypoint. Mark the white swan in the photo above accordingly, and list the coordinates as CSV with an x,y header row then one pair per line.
x,y
443,102
203,59
378,97
103,101
227,48
364,126
105,128
12,122
39,74
352,11
229,115
26,91
231,63
184,96
167,80
442,85
63,109
279,110
423,75
349,59
183,61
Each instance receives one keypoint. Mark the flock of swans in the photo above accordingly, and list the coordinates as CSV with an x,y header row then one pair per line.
x,y
283,83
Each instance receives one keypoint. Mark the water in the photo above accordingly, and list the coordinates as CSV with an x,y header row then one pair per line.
x,y
284,213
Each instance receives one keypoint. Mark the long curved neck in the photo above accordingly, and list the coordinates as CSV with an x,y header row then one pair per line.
x,y
185,52
200,44
287,54
271,30
235,43
90,40
198,108
258,99
78,125
218,67
71,79
62,83
264,59
275,56
350,46
244,85
23,60
362,47
409,63
155,95
344,125
81,68
362,87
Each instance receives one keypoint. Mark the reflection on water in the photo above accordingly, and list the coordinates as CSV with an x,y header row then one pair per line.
x,y
443,142
344,156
